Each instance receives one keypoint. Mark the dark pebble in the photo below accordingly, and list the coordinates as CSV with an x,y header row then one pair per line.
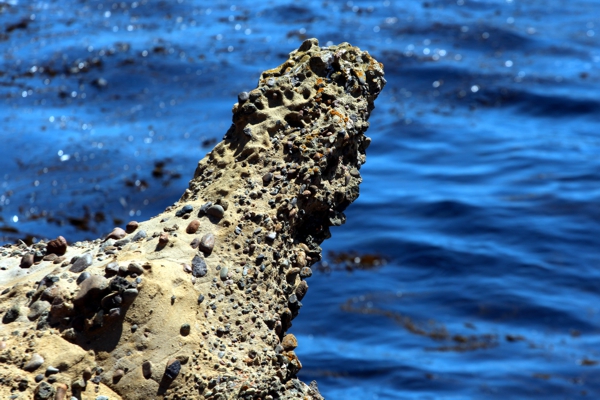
x,y
248,131
140,235
204,208
39,378
44,391
199,268
185,329
122,242
57,246
11,315
163,239
301,290
306,272
354,172
147,369
81,263
216,211
195,243
27,261
267,178
52,370
131,226
184,210
207,243
173,368
200,299
110,269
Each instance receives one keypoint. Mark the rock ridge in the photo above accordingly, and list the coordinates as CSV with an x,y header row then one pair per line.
x,y
198,302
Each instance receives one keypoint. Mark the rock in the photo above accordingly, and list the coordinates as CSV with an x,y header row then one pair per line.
x,y
185,329
199,268
131,226
301,290
289,342
223,273
243,96
129,296
267,178
37,308
271,236
207,243
87,374
91,291
163,239
52,370
61,391
195,243
173,368
12,314
216,211
27,260
118,374
50,257
82,277
82,263
184,210
34,363
305,272
193,227
111,269
135,268
139,236
57,246
43,391
147,369
117,233
111,301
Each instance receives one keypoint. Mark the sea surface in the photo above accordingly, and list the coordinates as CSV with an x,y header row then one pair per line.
x,y
469,268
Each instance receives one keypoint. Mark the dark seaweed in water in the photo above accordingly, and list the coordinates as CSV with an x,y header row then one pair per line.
x,y
480,189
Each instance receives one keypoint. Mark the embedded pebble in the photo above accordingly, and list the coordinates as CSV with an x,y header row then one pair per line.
x,y
118,374
117,233
12,314
184,210
207,243
82,263
147,369
289,342
271,236
199,268
38,308
57,246
27,260
61,391
200,299
39,377
43,391
173,368
135,268
83,276
140,235
52,370
301,290
306,272
91,291
129,296
111,268
185,329
243,96
195,243
223,273
34,363
216,211
193,227
163,239
131,226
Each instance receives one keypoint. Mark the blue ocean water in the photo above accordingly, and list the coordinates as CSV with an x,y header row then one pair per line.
x,y
481,187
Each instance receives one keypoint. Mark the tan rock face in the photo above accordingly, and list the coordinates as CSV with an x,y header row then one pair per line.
x,y
129,322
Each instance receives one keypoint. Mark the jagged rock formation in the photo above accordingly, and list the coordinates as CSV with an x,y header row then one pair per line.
x,y
197,302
